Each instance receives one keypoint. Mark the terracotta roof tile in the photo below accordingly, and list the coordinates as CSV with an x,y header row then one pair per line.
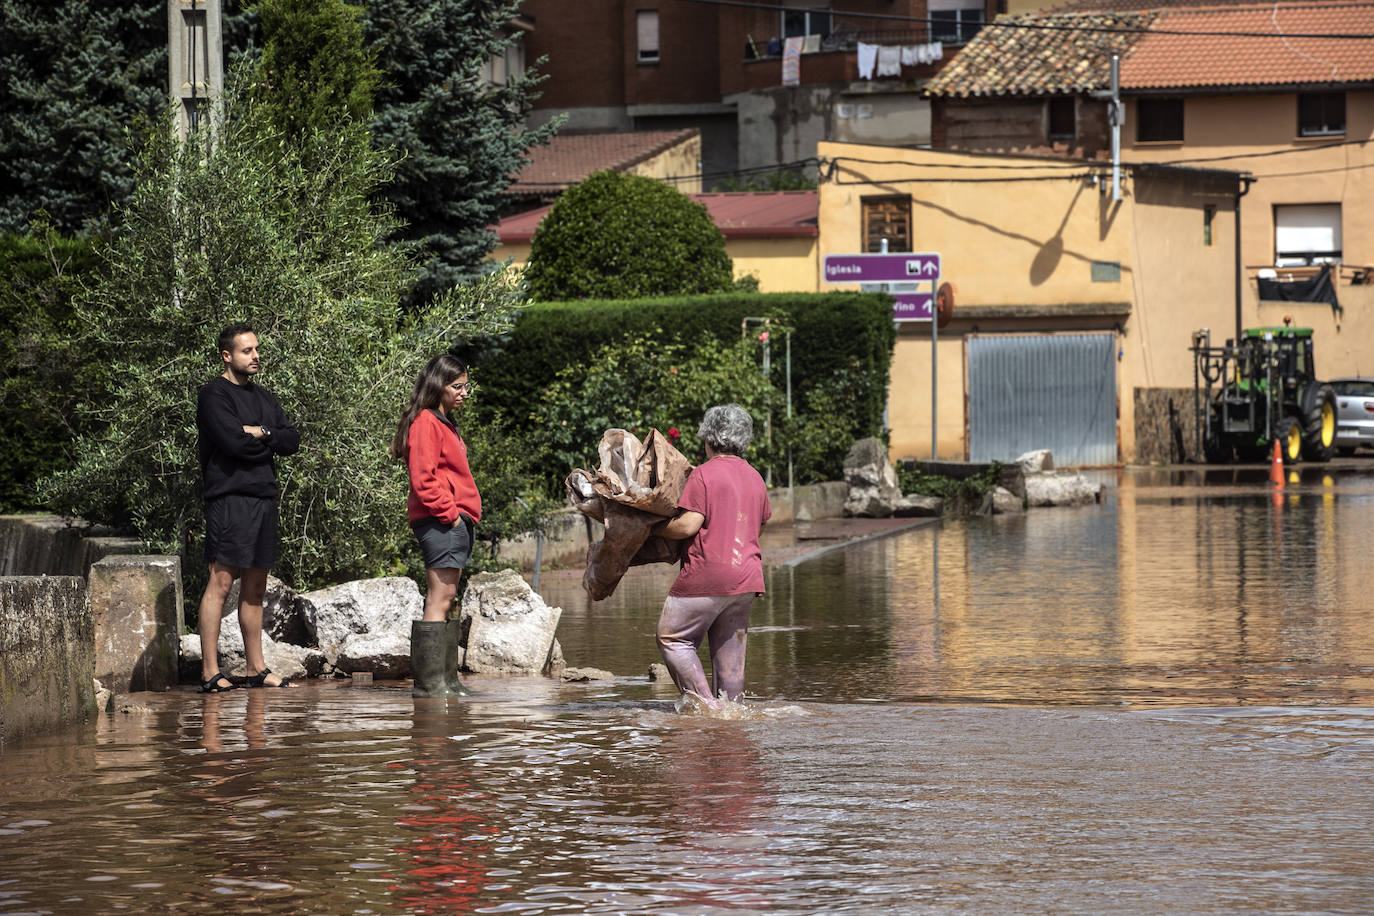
x,y
569,158
739,214
1005,60
1163,61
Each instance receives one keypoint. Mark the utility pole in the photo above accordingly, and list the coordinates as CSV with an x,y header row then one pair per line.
x,y
195,60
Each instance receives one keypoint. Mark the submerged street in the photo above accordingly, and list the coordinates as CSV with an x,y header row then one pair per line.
x,y
1161,703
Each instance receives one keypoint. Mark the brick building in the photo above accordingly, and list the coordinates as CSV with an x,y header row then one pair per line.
x,y
676,64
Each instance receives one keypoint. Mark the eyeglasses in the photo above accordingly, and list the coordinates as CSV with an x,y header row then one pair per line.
x,y
463,388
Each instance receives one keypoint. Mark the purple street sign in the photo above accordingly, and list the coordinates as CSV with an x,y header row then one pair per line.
x,y
911,306
904,266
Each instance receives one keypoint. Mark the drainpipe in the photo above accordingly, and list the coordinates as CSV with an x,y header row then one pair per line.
x,y
1244,189
1114,118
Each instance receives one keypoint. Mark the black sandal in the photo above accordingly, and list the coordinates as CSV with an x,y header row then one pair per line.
x,y
260,680
212,685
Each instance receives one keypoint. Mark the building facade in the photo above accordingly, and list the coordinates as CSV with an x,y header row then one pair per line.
x,y
660,65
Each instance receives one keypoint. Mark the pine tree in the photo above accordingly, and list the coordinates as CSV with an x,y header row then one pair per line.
x,y
462,137
73,76
313,72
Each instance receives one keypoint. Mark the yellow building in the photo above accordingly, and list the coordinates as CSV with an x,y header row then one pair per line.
x,y
1070,307
770,235
1281,92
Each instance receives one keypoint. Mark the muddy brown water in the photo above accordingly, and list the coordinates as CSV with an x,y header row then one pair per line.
x,y
1164,703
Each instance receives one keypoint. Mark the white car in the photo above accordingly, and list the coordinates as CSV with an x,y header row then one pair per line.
x,y
1354,413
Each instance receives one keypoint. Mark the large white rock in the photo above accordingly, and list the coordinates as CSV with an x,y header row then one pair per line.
x,y
280,615
283,658
1036,462
1071,489
386,655
872,480
373,606
1002,501
510,630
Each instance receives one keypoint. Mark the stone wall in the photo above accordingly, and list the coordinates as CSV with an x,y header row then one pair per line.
x,y
136,606
48,545
47,654
1165,429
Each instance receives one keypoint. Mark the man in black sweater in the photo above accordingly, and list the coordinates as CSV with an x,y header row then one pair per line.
x,y
242,429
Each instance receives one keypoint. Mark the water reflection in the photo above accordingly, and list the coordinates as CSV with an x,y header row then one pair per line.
x,y
1162,595
1161,703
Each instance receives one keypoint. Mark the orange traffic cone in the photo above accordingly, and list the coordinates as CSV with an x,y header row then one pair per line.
x,y
1276,467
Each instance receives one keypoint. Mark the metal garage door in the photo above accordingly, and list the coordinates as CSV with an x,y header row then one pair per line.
x,y
1054,391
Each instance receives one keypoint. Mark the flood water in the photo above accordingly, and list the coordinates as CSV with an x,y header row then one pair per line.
x,y
1163,703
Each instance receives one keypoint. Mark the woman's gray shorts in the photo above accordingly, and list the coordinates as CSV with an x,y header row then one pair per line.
x,y
444,546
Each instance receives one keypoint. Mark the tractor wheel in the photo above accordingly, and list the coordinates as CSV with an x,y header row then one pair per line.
x,y
1319,435
1290,440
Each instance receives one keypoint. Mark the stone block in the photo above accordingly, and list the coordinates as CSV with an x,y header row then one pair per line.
x,y
136,606
47,652
510,630
49,545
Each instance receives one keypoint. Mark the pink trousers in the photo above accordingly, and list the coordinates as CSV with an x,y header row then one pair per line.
x,y
724,622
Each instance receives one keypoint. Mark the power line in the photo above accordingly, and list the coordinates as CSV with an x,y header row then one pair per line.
x,y
1268,153
1050,27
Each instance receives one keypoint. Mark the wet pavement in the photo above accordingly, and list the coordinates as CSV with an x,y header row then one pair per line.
x,y
1162,703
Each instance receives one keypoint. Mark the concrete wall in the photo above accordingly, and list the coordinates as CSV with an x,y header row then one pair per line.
x,y
47,545
672,165
136,607
47,653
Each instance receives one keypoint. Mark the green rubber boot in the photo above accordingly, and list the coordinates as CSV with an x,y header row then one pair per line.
x,y
453,653
427,651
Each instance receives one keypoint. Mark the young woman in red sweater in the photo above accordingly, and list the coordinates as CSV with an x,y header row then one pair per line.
x,y
444,508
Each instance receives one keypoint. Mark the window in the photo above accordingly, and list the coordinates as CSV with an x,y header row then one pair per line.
x,y
805,22
1061,118
500,68
887,218
1306,234
954,21
1321,114
1158,119
1209,214
646,32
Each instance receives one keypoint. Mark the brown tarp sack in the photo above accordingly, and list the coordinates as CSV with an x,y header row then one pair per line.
x,y
637,487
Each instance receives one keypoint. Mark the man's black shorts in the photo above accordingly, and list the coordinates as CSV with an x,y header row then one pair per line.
x,y
241,531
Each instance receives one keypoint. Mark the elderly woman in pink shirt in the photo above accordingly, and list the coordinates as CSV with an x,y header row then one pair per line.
x,y
722,510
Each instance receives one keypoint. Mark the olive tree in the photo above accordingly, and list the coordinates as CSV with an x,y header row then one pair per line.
x,y
238,228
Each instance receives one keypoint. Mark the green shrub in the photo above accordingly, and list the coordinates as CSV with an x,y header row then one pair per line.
x,y
620,236
841,350
40,379
962,495
643,383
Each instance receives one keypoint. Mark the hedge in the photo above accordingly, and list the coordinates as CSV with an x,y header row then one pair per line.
x,y
833,335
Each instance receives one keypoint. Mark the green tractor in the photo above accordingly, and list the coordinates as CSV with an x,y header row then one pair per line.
x,y
1264,389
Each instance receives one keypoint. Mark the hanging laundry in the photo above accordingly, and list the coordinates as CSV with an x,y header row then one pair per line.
x,y
868,56
791,60
937,51
909,55
890,61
